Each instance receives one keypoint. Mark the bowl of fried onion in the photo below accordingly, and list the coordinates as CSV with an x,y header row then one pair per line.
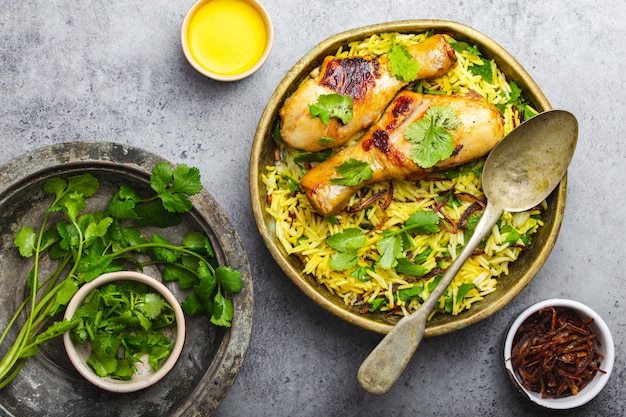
x,y
559,354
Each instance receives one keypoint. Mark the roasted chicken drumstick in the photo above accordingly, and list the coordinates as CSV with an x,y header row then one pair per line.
x,y
367,80
387,151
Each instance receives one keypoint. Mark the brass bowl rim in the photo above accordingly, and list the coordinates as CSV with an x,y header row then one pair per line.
x,y
310,60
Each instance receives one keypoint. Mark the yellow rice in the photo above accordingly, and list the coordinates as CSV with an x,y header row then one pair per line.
x,y
303,233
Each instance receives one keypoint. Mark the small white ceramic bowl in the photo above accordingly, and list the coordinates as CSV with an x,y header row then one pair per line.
x,y
227,40
604,344
78,355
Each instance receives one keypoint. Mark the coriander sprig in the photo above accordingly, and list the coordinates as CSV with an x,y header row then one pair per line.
x,y
84,245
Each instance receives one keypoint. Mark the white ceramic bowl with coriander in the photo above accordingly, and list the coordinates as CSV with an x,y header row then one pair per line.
x,y
144,375
526,332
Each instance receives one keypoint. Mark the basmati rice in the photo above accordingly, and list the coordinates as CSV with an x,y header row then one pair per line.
x,y
303,233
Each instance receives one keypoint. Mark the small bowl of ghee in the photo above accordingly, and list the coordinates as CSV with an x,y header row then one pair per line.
x,y
227,40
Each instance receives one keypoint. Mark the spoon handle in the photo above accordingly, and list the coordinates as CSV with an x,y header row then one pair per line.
x,y
384,365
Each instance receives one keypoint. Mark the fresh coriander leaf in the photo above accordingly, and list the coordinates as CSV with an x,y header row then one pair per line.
x,y
151,305
68,288
423,222
463,46
528,112
332,105
276,133
161,177
402,65
406,267
353,172
350,239
154,214
192,305
432,284
423,256
289,183
144,321
69,236
122,204
332,219
407,240
185,278
229,279
304,157
198,242
516,92
223,313
73,205
340,261
463,290
157,354
124,370
164,254
390,248
84,184
205,288
326,140
430,136
55,186
26,241
459,46
361,273
512,235
98,367
408,293
96,230
485,70
125,236
93,265
174,186
376,304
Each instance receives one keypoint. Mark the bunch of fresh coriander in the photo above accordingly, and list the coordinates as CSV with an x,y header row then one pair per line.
x,y
83,245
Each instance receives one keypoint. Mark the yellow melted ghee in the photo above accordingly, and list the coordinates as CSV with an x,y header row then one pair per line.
x,y
227,36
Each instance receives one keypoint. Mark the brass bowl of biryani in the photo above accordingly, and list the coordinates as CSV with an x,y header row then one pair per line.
x,y
365,174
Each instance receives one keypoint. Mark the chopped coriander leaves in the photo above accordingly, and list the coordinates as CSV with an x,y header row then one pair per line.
x,y
430,136
353,172
390,247
123,322
332,105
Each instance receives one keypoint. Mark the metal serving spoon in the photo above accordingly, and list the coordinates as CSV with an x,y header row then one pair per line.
x,y
519,173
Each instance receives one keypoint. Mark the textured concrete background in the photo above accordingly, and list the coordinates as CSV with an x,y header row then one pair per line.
x,y
114,71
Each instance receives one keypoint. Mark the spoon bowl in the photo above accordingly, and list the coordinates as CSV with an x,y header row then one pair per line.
x,y
519,173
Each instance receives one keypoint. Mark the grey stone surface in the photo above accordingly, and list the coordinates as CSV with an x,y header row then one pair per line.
x,y
114,71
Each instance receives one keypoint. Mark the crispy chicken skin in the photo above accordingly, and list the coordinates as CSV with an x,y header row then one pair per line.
x,y
367,80
385,148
